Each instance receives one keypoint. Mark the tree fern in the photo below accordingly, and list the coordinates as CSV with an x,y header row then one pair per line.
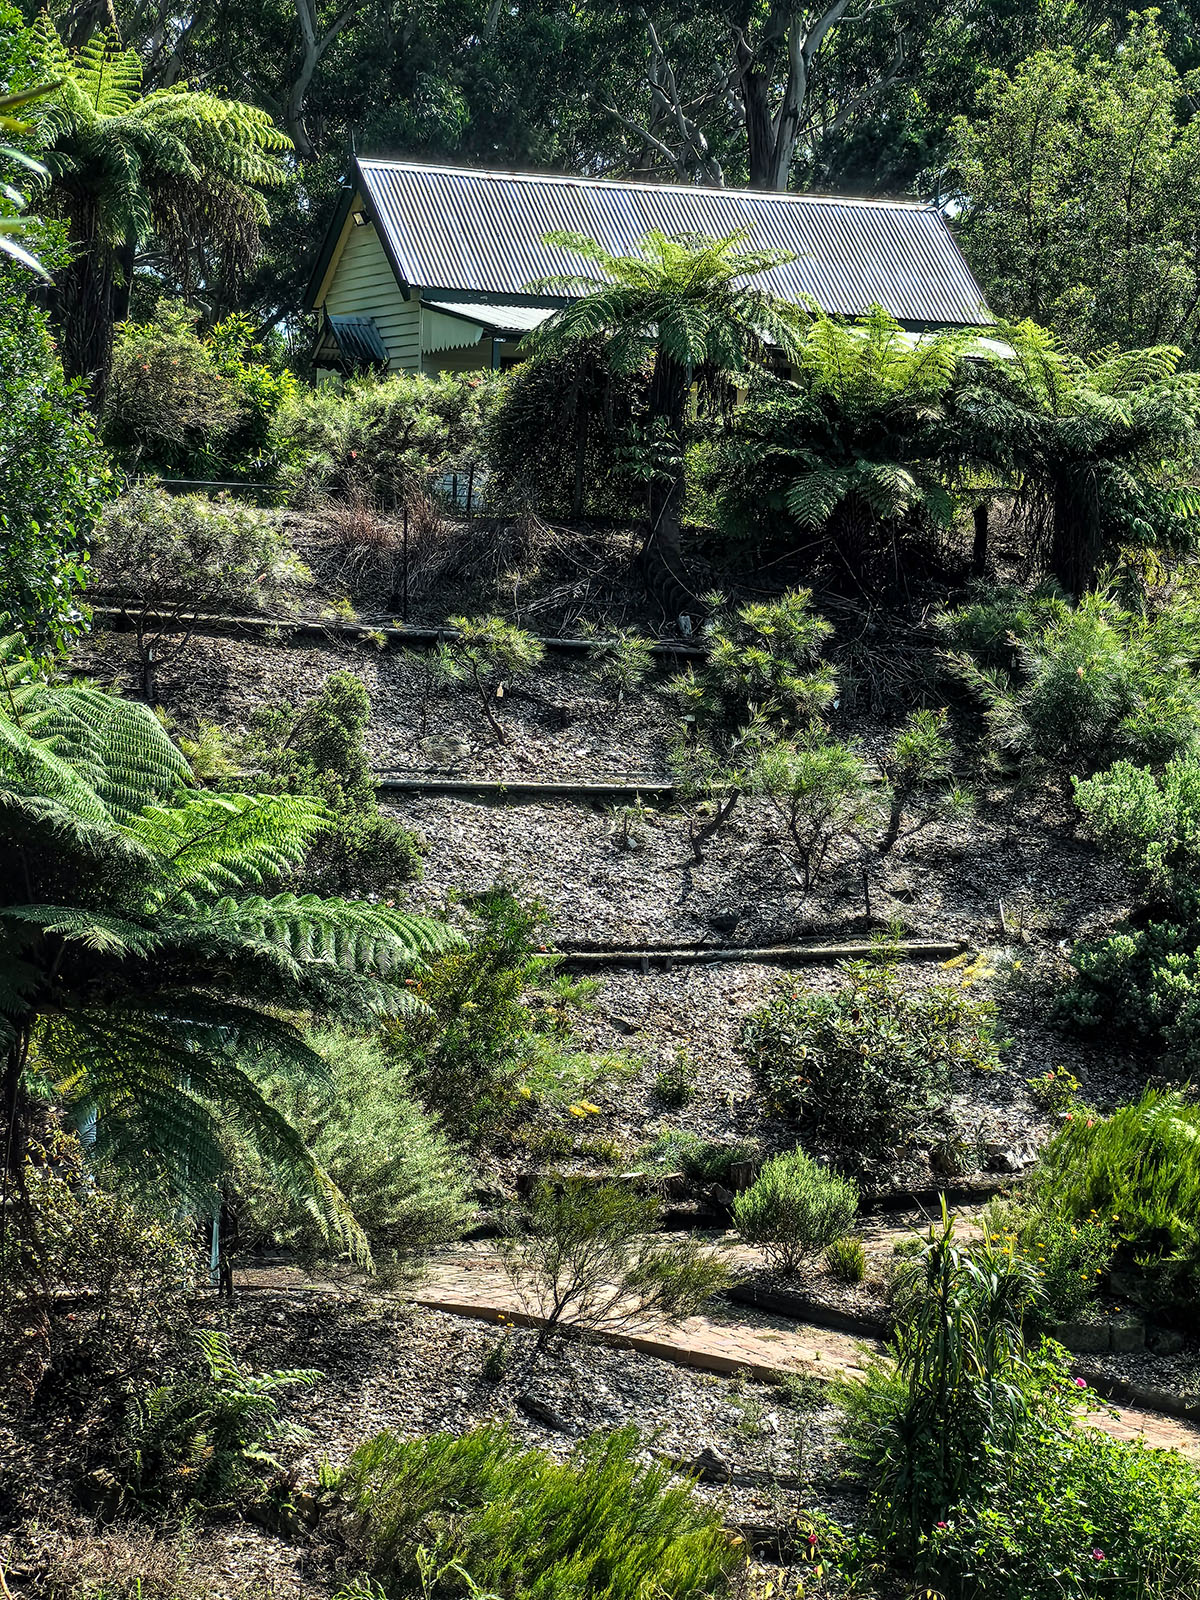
x,y
179,164
1103,453
142,974
681,309
859,447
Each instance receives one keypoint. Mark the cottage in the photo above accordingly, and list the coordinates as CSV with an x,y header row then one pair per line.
x,y
427,268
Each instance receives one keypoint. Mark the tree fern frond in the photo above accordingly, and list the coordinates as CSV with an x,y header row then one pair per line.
x,y
104,934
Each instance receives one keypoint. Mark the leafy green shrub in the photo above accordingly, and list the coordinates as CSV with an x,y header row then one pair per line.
x,y
318,748
1070,1256
872,1065
497,1022
586,1255
1142,984
1138,1173
1087,685
763,680
794,1208
201,1439
1055,1089
96,1288
55,477
381,440
186,405
983,1481
847,1260
818,788
401,1178
701,1160
600,1526
621,661
552,441
166,560
1149,821
1066,1510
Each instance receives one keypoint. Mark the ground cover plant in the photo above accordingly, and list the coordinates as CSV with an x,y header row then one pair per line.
x,y
485,1515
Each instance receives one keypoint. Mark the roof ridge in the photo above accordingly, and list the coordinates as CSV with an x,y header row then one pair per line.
x,y
574,180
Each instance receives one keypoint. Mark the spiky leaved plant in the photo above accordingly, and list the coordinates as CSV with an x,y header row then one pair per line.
x,y
145,979
1103,451
683,305
179,165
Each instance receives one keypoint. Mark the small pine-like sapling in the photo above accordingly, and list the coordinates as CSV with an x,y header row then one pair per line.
x,y
492,650
919,768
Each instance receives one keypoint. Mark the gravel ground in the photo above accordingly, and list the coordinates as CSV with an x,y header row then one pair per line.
x,y
388,1366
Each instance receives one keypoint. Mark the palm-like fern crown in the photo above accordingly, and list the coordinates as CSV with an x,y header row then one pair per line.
x,y
685,297
138,950
865,422
136,154
1044,400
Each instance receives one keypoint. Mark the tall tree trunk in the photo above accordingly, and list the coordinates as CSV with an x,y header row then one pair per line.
x,y
1076,544
979,542
84,297
668,405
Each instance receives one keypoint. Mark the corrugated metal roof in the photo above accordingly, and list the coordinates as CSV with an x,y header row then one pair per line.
x,y
482,232
499,316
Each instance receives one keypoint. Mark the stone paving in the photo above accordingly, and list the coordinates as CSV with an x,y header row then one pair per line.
x,y
473,1283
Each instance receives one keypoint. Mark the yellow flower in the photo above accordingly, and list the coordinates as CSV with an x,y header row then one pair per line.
x,y
525,1092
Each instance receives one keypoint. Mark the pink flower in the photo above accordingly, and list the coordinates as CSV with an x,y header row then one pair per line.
x,y
941,1524
1080,1384
1098,1555
812,1538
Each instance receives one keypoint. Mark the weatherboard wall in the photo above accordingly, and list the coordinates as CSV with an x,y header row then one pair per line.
x,y
363,284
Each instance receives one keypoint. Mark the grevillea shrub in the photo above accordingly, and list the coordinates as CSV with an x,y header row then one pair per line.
x,y
872,1065
794,1209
